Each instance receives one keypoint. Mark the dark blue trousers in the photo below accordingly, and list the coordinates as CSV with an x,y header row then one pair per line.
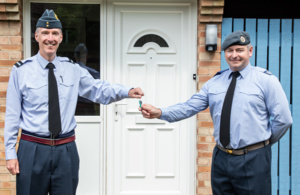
x,y
47,169
248,174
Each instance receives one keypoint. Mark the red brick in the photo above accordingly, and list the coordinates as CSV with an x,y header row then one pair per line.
x,y
203,71
201,41
201,48
205,154
217,10
2,162
2,154
15,24
2,103
4,79
202,176
210,63
3,24
2,122
207,56
4,55
201,184
10,31
203,161
16,40
216,18
13,192
201,138
8,62
2,148
2,94
204,191
10,47
207,3
218,3
202,26
4,40
204,131
16,55
3,16
206,10
2,8
202,169
11,1
213,71
209,139
206,124
201,34
5,71
204,78
204,18
5,192
9,185
202,146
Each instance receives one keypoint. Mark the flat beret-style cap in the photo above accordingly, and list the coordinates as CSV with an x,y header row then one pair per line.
x,y
236,38
49,20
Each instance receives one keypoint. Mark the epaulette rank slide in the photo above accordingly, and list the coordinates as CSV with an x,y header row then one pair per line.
x,y
18,64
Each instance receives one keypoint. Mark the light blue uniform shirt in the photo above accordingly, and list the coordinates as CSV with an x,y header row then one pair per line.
x,y
27,97
258,96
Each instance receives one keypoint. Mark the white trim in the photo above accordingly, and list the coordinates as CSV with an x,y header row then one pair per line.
x,y
153,4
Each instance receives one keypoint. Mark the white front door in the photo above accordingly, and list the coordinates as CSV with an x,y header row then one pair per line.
x,y
152,46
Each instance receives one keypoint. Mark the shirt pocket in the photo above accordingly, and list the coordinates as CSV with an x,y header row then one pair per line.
x,y
216,98
37,92
252,98
67,89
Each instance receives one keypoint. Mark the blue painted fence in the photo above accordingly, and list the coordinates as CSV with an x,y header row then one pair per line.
x,y
276,44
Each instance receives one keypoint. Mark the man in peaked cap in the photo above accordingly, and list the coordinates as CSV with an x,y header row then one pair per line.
x,y
241,101
41,100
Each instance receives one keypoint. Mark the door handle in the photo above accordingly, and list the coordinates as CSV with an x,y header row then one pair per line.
x,y
116,108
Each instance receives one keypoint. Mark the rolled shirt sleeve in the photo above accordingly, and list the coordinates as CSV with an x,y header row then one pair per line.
x,y
278,107
13,114
180,111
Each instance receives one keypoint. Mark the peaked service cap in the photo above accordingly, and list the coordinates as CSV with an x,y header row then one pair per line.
x,y
236,38
49,20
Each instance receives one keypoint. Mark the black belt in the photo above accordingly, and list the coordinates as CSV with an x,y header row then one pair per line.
x,y
246,149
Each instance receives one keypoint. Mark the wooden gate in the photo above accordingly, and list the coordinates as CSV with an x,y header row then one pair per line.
x,y
276,44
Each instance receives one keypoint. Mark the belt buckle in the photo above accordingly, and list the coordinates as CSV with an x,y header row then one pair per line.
x,y
228,151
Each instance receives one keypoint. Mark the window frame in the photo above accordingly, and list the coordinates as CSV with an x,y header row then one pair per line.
x,y
27,42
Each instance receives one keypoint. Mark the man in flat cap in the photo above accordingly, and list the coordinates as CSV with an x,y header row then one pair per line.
x,y
41,100
241,101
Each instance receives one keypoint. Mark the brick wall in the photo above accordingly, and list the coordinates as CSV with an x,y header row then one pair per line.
x,y
10,53
209,63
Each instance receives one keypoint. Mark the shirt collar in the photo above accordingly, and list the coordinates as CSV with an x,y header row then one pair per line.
x,y
243,72
43,62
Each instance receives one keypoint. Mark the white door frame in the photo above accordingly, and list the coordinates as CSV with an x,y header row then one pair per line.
x,y
192,69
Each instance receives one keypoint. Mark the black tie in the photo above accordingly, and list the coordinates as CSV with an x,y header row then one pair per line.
x,y
226,112
53,107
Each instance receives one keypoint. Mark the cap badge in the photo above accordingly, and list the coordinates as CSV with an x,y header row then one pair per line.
x,y
56,16
243,39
